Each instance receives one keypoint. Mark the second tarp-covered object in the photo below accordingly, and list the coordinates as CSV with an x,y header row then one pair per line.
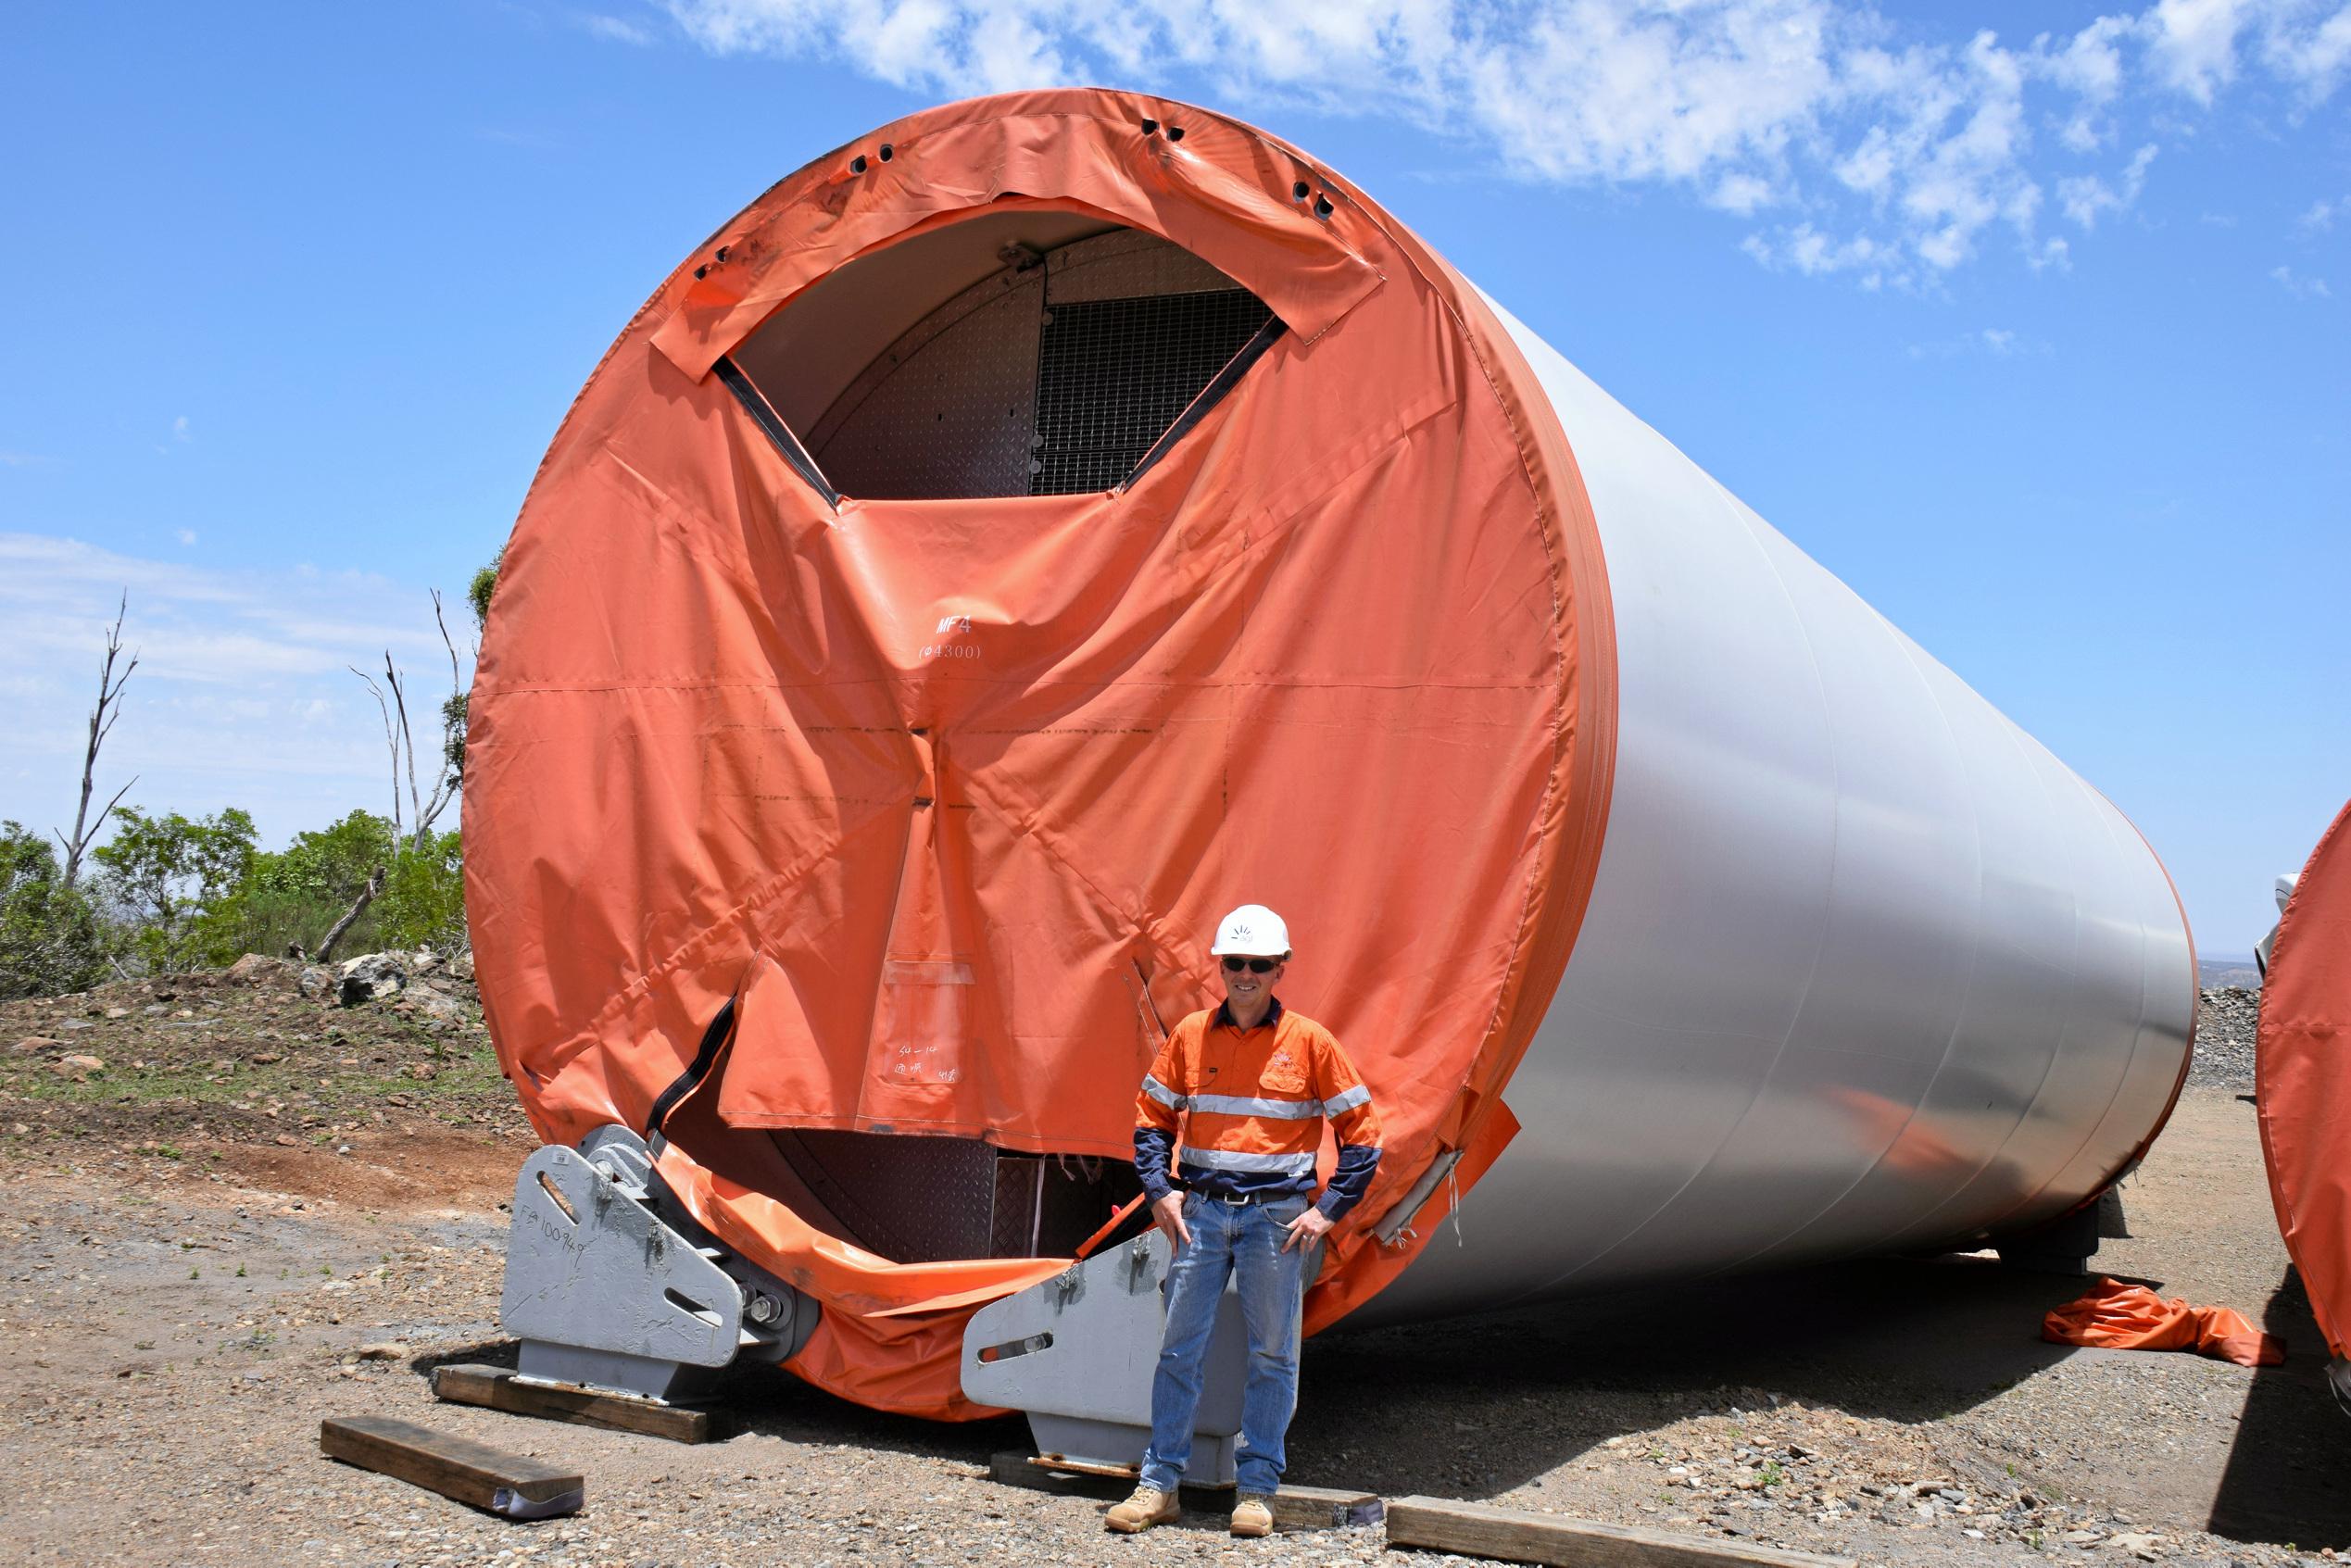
x,y
2302,1080
1045,523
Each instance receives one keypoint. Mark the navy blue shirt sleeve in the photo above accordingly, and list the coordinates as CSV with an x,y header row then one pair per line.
x,y
1154,1148
1348,1182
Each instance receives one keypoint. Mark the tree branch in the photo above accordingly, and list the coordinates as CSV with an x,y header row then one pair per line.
x,y
407,739
390,738
443,621
445,785
102,721
359,905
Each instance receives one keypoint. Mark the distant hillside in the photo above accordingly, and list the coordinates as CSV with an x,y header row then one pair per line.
x,y
2228,969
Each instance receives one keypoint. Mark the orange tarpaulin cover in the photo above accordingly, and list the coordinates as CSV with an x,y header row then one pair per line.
x,y
1344,651
2302,1078
2131,1317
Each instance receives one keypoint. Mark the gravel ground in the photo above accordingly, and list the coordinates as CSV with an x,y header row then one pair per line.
x,y
2225,1022
177,1325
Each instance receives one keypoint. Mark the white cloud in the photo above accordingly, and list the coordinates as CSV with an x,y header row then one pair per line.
x,y
242,694
617,29
1805,249
180,429
185,535
200,623
24,460
2299,286
1741,194
2085,197
2200,47
2323,214
2090,66
2194,43
1993,343
2308,44
1897,156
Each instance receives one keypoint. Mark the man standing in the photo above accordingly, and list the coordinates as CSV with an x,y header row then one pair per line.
x,y
1248,1083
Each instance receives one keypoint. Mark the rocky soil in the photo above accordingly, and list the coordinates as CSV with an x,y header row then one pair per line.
x,y
232,1076
2225,1022
257,1214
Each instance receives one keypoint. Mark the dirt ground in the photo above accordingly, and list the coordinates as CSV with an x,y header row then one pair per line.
x,y
189,1284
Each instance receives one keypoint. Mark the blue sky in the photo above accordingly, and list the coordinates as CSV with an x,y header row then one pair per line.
x,y
2027,321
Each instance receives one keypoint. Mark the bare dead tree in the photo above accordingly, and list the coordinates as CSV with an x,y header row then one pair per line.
x,y
390,737
102,720
359,907
446,774
440,619
424,807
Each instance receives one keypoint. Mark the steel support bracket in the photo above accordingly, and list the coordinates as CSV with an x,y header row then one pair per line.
x,y
1077,1354
605,1292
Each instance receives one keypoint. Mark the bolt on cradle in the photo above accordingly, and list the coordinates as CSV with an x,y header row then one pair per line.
x,y
1015,525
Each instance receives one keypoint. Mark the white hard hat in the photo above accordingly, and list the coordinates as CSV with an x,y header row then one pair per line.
x,y
1252,931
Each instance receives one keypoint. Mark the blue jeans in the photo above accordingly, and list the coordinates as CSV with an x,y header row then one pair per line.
x,y
1227,1240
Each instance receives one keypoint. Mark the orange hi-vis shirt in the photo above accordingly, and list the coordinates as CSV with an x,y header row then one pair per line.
x,y
1243,1111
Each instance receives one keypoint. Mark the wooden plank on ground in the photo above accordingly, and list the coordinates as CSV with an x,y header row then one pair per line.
x,y
1064,1464
512,1484
498,1388
1479,1530
1294,1507
1325,1508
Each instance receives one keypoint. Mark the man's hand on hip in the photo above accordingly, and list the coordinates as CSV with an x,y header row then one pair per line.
x,y
1312,1225
1168,1215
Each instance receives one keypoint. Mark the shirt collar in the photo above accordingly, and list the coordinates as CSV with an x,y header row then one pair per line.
x,y
1225,1015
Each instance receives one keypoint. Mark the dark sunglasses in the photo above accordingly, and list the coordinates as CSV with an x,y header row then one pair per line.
x,y
1255,966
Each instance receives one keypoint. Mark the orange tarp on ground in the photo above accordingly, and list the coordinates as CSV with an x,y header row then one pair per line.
x,y
2302,1078
2131,1317
1344,651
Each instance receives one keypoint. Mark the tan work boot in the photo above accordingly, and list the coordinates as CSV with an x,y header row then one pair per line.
x,y
1148,1507
1251,1516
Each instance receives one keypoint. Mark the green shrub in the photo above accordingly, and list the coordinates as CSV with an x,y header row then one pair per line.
x,y
422,904
167,873
52,939
295,895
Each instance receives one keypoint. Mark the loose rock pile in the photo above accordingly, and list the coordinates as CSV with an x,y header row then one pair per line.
x,y
2225,1024
432,985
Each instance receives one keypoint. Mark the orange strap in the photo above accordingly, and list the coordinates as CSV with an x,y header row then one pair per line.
x,y
1117,1220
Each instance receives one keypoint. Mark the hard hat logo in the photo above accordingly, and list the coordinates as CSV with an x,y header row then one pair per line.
x,y
1252,931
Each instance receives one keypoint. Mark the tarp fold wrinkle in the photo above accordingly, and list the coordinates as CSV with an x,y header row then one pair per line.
x,y
715,1036
772,425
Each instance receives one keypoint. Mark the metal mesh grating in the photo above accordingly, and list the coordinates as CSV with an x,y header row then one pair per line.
x,y
913,1200
947,410
926,1201
1113,374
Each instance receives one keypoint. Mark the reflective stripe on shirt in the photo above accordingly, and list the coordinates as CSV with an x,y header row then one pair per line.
x,y
1162,1093
1218,1160
1359,1095
1242,1105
